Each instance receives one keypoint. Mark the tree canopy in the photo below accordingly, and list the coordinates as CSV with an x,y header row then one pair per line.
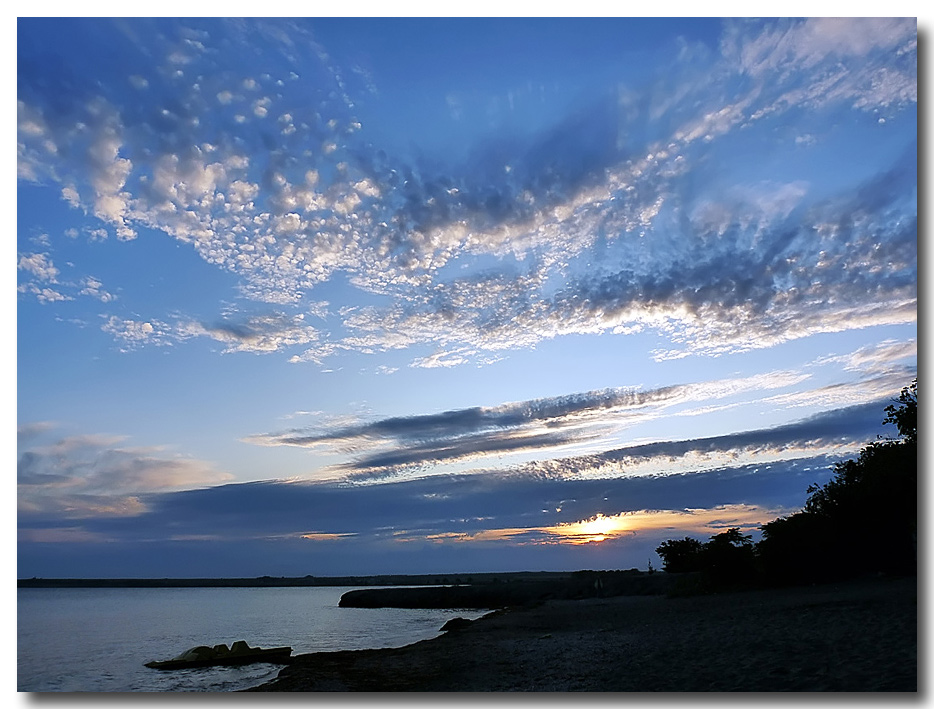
x,y
863,520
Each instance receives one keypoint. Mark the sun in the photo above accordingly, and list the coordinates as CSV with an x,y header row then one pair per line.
x,y
594,530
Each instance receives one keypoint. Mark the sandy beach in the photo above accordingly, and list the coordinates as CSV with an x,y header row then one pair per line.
x,y
859,636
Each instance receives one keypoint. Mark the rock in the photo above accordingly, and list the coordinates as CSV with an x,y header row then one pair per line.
x,y
456,624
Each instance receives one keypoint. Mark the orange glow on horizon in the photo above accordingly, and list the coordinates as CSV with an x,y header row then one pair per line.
x,y
594,530
324,536
600,528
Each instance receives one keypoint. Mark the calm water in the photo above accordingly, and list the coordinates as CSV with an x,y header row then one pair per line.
x,y
96,640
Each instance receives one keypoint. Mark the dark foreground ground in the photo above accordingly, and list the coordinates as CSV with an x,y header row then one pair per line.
x,y
859,636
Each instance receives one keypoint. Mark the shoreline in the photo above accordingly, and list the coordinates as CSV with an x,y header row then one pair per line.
x,y
853,636
439,579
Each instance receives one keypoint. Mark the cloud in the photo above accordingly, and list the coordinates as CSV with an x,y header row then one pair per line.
x,y
294,528
134,333
45,274
259,334
80,476
84,490
875,385
40,266
390,446
263,333
837,432
869,63
43,294
600,527
598,224
26,431
94,288
108,170
883,358
752,279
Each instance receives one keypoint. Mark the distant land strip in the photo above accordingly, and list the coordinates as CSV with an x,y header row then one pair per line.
x,y
274,581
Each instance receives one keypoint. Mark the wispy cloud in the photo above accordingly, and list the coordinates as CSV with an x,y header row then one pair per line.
x,y
393,445
868,64
883,358
876,387
838,432
27,431
94,475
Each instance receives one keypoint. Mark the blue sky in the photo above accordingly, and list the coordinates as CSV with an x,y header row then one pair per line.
x,y
331,296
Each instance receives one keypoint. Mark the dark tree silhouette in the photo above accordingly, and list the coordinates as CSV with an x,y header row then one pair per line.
x,y
681,555
863,520
905,415
726,559
729,557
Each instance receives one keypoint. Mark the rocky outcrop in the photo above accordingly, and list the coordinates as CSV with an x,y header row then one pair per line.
x,y
520,592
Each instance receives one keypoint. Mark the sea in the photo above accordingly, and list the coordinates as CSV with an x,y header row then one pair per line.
x,y
98,639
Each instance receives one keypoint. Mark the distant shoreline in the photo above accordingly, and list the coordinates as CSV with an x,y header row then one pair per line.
x,y
447,579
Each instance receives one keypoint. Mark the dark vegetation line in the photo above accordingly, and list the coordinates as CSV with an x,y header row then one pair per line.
x,y
864,521
277,581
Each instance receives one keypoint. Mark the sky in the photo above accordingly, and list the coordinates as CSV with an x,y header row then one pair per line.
x,y
355,296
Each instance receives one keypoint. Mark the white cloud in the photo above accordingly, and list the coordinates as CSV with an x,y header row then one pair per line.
x,y
266,333
134,333
40,265
258,333
108,171
70,195
865,390
879,358
440,359
26,431
95,289
35,151
261,106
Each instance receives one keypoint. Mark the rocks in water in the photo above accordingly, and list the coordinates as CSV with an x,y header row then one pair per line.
x,y
202,652
240,653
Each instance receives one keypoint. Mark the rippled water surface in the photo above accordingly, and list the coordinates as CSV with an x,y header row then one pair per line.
x,y
97,640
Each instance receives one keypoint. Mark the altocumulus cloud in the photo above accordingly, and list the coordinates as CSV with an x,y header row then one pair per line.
x,y
260,334
269,177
